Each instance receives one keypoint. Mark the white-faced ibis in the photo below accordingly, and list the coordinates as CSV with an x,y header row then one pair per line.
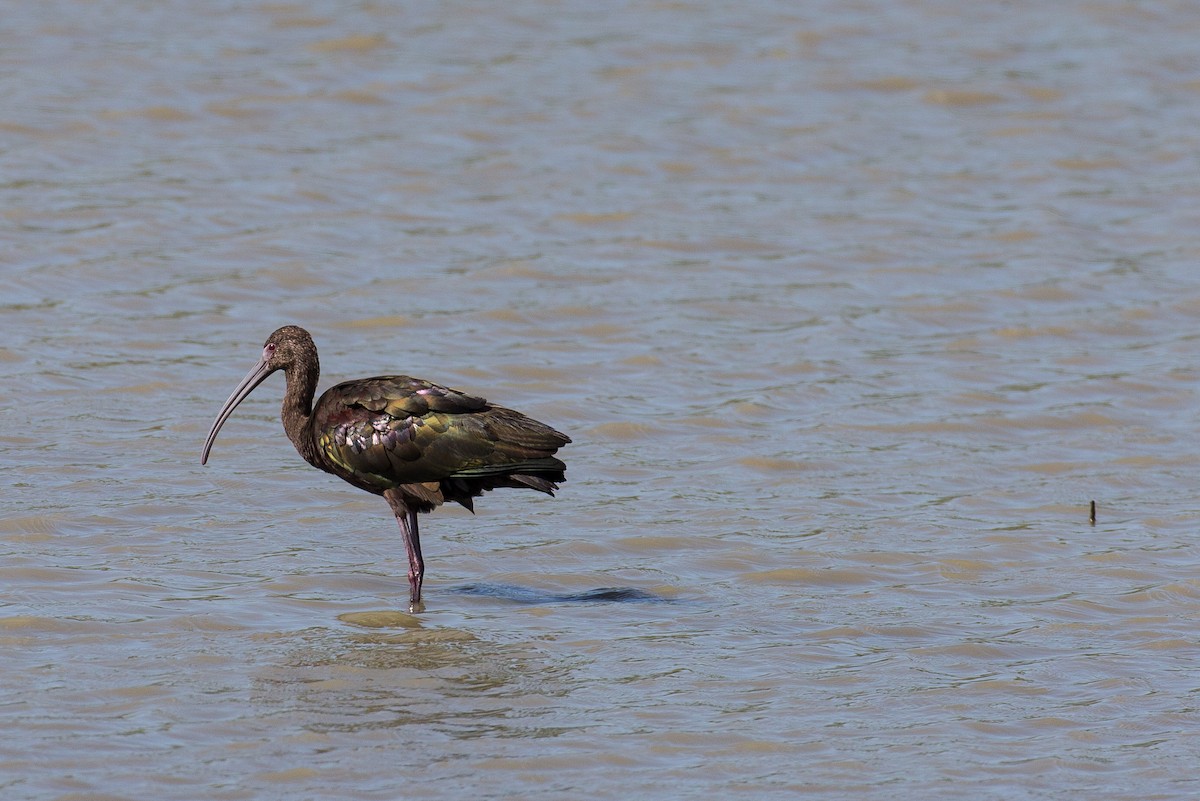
x,y
415,443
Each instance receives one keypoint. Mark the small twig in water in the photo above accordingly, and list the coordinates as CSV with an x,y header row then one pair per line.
x,y
1092,517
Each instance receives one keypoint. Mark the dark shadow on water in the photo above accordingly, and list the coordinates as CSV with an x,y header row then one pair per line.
x,y
529,595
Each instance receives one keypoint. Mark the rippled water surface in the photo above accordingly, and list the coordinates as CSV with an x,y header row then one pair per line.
x,y
850,309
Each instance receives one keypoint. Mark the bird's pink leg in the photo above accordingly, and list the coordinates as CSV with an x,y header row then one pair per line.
x,y
416,565
407,519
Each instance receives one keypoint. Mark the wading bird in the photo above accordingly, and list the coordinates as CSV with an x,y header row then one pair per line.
x,y
415,443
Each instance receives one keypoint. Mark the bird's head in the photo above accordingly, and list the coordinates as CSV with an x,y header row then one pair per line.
x,y
287,348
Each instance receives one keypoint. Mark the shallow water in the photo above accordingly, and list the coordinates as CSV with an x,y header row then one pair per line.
x,y
850,310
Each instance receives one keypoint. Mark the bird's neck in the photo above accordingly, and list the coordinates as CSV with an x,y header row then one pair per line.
x,y
297,410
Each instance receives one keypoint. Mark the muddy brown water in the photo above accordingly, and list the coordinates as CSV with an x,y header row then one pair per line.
x,y
850,309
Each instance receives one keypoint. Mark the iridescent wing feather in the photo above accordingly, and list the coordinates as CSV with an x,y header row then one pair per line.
x,y
391,431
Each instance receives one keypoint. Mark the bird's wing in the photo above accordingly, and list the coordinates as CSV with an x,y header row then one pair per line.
x,y
391,430
402,396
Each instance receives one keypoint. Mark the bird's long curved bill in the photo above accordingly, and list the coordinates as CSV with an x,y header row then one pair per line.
x,y
253,378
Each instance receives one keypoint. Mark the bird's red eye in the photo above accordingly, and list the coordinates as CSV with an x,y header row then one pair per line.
x,y
269,350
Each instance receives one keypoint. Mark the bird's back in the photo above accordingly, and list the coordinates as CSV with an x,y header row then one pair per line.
x,y
433,443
